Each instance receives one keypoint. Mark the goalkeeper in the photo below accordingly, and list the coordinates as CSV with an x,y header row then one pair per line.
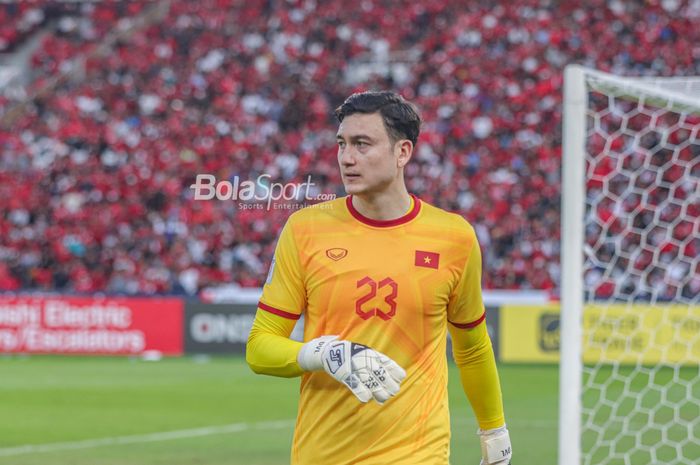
x,y
380,277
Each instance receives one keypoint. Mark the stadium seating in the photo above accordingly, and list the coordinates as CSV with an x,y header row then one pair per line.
x,y
18,21
94,178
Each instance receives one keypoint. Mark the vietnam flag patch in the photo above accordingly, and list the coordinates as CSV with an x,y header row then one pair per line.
x,y
427,259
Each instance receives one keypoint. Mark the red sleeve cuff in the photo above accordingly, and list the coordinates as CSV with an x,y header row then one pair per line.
x,y
277,311
473,324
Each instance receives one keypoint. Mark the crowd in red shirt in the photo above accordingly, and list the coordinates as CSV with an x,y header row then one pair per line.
x,y
95,177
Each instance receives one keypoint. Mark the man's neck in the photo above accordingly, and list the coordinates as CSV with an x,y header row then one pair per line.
x,y
383,206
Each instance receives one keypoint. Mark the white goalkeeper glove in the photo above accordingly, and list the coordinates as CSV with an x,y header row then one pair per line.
x,y
495,446
366,372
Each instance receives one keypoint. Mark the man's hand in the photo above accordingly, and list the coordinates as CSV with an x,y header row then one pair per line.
x,y
366,372
495,446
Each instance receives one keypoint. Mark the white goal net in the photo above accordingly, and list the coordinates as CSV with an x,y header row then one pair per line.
x,y
630,360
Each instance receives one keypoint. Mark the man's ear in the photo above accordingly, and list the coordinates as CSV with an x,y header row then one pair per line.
x,y
403,151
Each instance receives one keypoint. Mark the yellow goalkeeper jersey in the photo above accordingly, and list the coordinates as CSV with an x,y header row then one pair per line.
x,y
393,286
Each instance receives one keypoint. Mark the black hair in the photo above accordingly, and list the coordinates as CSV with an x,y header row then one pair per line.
x,y
401,118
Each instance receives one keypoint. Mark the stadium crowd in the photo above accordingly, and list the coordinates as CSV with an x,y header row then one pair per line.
x,y
17,22
95,177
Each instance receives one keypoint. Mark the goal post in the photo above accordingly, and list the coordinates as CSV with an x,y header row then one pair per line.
x,y
629,387
573,187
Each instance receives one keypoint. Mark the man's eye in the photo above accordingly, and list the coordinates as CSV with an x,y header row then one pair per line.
x,y
362,145
341,144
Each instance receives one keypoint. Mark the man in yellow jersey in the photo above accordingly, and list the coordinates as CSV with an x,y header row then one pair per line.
x,y
380,277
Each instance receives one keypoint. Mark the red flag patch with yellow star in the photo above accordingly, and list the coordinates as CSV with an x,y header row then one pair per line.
x,y
427,259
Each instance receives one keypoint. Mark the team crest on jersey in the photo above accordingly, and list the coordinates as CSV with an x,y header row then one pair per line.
x,y
336,253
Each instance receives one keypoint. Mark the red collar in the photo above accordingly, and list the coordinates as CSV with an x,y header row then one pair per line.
x,y
384,223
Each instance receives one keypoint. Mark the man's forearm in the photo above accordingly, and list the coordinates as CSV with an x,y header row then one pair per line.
x,y
474,357
269,350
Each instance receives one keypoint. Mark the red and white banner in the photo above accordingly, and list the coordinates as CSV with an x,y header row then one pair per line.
x,y
91,325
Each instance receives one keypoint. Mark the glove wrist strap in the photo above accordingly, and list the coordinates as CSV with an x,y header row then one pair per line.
x,y
495,446
310,357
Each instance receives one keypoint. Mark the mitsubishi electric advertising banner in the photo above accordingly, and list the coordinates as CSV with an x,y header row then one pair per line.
x,y
90,325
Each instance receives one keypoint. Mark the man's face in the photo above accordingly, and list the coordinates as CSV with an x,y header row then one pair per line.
x,y
368,161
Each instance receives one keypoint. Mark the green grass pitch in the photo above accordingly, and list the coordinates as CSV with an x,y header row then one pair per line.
x,y
221,412
201,411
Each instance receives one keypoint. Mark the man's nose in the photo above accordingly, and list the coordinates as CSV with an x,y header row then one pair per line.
x,y
347,156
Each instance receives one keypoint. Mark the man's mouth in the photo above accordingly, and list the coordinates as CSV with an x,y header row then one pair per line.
x,y
352,175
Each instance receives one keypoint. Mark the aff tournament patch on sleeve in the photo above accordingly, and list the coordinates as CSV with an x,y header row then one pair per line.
x,y
269,273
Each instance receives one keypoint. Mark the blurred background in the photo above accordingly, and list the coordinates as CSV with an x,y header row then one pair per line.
x,y
123,103
109,110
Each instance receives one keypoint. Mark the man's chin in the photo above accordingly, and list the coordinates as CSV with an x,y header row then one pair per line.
x,y
354,189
